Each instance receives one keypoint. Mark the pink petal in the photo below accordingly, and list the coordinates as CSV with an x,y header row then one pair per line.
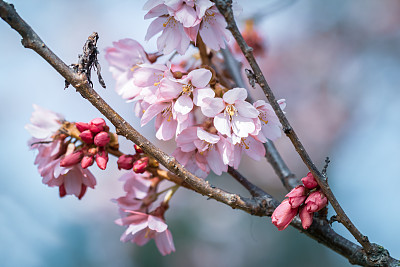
x,y
186,15
235,94
206,136
164,242
156,11
167,129
157,224
214,160
183,104
222,124
155,27
200,77
212,106
152,3
200,94
152,111
170,89
246,109
242,126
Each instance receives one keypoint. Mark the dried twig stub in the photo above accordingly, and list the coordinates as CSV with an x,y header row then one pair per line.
x,y
88,60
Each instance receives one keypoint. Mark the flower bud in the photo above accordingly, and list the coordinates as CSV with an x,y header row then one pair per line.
x,y
82,126
305,217
138,149
316,201
283,215
62,190
101,139
125,162
309,181
97,125
102,159
71,159
87,137
140,165
87,161
297,196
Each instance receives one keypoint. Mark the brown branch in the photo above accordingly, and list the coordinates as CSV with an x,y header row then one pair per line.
x,y
261,205
225,7
288,179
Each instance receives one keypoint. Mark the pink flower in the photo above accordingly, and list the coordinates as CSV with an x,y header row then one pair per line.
x,y
309,181
316,201
198,151
173,35
237,117
45,123
305,217
123,58
72,159
97,125
297,196
270,125
283,215
143,227
183,90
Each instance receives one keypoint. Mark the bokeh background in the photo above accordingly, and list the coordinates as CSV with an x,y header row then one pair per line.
x,y
335,62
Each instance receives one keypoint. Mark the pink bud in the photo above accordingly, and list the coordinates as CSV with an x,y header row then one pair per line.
x,y
71,159
97,125
101,139
102,159
87,161
62,190
283,215
87,137
297,196
316,201
82,126
125,162
138,149
140,165
309,181
305,217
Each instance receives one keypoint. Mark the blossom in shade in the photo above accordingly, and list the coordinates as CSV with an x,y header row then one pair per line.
x,y
142,227
123,58
283,215
297,196
305,217
233,116
316,201
309,181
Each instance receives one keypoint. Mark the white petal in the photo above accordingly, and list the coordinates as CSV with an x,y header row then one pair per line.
x,y
212,106
242,126
222,124
235,94
183,105
200,77
246,109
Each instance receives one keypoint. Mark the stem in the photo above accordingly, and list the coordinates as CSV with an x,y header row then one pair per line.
x,y
225,7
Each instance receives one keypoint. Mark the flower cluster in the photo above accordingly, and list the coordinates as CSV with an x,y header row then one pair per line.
x,y
303,200
66,150
185,21
213,125
143,224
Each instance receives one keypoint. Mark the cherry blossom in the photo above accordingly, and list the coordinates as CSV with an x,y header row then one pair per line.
x,y
270,125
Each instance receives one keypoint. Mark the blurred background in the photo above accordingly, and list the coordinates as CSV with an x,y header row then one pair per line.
x,y
337,65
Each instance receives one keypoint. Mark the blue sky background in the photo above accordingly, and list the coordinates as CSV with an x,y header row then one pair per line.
x,y
336,64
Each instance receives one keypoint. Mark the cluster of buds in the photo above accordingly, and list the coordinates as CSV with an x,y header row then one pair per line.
x,y
138,162
95,137
303,200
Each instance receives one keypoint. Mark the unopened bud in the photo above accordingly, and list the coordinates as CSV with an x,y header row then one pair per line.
x,y
305,217
97,125
101,139
297,196
283,215
140,165
102,159
62,191
87,161
125,162
316,201
71,159
82,126
87,137
138,149
309,181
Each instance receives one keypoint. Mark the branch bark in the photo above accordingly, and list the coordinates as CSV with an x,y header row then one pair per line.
x,y
260,205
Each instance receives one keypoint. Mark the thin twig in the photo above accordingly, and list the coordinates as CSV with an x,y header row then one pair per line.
x,y
225,7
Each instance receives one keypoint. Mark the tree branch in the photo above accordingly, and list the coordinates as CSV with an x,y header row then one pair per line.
x,y
225,7
262,205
